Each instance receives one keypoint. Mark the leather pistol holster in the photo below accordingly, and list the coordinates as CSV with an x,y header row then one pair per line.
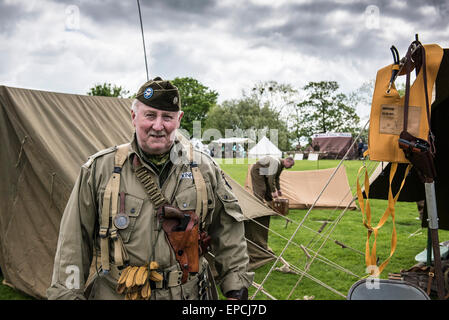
x,y
181,229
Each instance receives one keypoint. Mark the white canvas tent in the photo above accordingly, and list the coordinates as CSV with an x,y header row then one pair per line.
x,y
232,140
264,148
199,145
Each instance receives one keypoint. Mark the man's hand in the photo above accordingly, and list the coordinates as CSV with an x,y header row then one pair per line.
x,y
276,194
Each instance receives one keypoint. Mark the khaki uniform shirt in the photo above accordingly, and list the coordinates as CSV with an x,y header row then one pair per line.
x,y
80,224
265,175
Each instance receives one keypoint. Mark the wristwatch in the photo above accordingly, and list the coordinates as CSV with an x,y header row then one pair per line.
x,y
241,294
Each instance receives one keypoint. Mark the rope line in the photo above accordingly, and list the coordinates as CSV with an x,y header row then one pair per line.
x,y
298,270
310,210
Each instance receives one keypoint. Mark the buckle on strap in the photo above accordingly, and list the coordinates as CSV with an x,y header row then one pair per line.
x,y
171,279
193,164
103,232
114,234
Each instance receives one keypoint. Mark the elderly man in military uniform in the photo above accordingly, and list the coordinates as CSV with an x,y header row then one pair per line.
x,y
145,214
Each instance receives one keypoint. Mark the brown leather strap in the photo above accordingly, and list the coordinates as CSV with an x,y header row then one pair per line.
x,y
408,69
122,202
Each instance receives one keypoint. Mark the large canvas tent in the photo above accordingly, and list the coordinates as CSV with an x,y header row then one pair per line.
x,y
45,138
334,145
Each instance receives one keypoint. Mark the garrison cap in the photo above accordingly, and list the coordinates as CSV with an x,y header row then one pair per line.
x,y
160,94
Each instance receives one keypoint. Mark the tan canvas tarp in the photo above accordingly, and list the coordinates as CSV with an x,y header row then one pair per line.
x,y
251,206
45,138
302,188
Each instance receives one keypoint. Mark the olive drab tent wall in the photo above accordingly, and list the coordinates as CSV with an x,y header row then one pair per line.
x,y
45,138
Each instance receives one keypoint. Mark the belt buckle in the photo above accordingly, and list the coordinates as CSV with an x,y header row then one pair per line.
x,y
162,284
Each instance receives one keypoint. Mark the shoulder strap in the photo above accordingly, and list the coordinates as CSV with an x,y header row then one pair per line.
x,y
110,202
201,190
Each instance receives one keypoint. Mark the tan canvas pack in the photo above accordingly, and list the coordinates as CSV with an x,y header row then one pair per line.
x,y
387,109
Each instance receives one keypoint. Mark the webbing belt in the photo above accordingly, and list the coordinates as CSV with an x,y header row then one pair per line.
x,y
107,230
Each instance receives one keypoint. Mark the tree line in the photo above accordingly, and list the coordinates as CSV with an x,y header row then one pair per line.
x,y
296,113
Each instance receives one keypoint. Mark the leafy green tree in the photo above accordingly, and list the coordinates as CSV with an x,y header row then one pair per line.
x,y
244,116
196,101
325,110
279,97
107,90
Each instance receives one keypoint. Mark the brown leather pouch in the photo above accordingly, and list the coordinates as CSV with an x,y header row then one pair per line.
x,y
418,152
181,229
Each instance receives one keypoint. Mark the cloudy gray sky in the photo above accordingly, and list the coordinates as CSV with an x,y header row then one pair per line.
x,y
228,45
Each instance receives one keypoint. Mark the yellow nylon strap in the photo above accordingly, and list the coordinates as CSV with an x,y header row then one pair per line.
x,y
111,195
366,153
201,191
370,254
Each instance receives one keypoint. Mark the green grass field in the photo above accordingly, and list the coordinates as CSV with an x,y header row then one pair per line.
x,y
349,230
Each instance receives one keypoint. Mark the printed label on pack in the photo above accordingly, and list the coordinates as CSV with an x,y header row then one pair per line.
x,y
392,119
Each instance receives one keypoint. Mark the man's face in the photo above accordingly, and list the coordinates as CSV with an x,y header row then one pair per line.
x,y
155,129
288,163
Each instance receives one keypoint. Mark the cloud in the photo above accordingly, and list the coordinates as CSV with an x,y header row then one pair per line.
x,y
227,45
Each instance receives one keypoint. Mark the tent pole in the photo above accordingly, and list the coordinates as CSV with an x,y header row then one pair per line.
x,y
429,248
433,231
